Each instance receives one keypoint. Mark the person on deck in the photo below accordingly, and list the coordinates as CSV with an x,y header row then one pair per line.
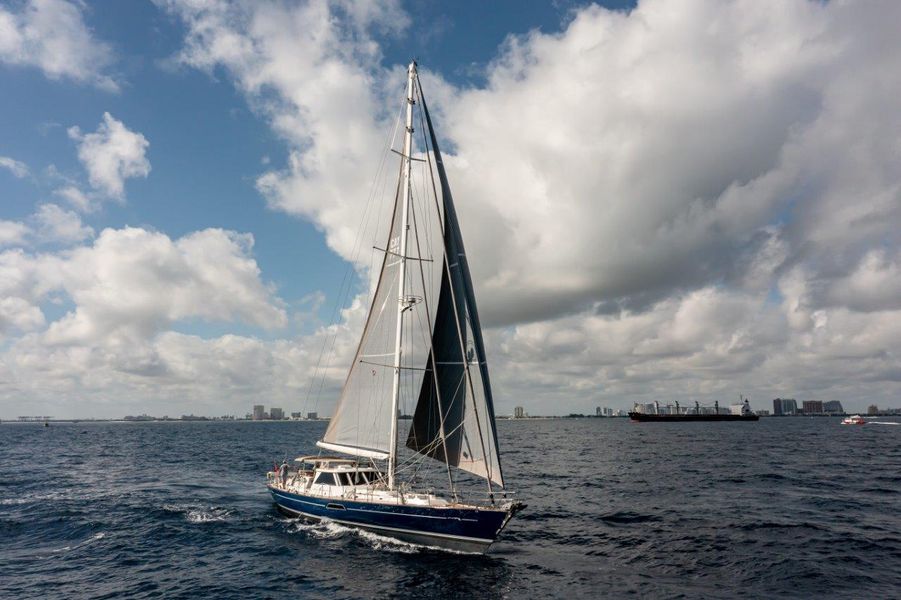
x,y
283,471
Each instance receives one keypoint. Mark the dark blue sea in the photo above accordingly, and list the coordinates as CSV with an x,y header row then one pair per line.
x,y
792,507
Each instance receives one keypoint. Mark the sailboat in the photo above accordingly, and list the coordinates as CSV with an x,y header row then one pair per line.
x,y
369,482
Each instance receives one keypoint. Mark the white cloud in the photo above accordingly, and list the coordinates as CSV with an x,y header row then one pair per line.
x,y
17,168
18,313
677,203
654,179
52,36
128,289
133,284
76,198
58,225
111,155
873,286
13,233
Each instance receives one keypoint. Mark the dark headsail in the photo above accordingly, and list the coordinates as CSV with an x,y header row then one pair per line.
x,y
458,391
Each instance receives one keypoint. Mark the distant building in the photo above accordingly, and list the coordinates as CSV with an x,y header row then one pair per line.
x,y
312,416
296,415
872,409
259,412
597,412
833,407
813,407
519,413
784,406
762,413
276,414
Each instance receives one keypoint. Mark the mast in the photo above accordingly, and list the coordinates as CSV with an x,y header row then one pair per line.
x,y
402,301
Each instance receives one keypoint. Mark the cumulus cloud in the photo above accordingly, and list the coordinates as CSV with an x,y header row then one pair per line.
x,y
704,183
675,202
58,225
17,168
127,290
18,313
111,155
78,199
52,36
323,63
13,233
133,283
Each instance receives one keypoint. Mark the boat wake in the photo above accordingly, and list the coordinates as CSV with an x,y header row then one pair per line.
x,y
329,530
883,423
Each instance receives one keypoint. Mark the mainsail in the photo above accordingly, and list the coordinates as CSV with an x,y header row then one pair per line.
x,y
454,418
361,424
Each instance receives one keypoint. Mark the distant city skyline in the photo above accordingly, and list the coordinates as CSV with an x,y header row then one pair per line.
x,y
653,208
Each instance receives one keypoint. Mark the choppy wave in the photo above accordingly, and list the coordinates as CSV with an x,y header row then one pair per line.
x,y
781,508
97,536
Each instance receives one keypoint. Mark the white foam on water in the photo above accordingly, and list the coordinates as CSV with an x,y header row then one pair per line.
x,y
97,536
380,542
44,497
328,530
194,513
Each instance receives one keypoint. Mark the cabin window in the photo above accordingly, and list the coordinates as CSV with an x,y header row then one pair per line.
x,y
343,478
325,479
358,478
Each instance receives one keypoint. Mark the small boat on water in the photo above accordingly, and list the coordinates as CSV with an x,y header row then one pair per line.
x,y
854,420
372,485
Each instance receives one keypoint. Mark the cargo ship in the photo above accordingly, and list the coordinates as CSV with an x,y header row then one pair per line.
x,y
739,412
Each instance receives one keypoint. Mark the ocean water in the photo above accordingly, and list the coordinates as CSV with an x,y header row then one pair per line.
x,y
779,508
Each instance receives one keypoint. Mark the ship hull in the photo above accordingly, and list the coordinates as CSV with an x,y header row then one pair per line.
x,y
645,417
463,529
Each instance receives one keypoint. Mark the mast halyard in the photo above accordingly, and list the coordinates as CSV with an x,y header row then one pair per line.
x,y
402,302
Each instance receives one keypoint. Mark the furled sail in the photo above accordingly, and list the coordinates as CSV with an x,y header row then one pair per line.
x,y
454,417
361,425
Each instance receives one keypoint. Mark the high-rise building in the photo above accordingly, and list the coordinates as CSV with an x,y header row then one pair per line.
x,y
785,406
833,407
597,412
276,414
259,412
312,416
813,407
518,412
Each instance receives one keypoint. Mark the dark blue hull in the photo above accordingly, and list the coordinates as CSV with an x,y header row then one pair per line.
x,y
467,529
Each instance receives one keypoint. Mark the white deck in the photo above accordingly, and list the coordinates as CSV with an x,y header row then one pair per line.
x,y
302,482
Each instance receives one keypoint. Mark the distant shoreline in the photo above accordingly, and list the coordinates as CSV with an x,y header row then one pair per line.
x,y
33,421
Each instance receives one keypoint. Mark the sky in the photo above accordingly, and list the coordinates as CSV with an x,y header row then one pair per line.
x,y
660,201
